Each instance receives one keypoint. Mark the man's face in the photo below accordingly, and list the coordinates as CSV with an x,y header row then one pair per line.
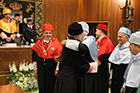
x,y
134,49
122,38
97,33
47,34
79,37
7,16
17,18
29,22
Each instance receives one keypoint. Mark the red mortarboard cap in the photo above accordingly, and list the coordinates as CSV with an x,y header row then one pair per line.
x,y
102,26
47,26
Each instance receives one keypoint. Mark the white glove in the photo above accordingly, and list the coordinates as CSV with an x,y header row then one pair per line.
x,y
32,40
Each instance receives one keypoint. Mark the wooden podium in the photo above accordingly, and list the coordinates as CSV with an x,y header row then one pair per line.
x,y
10,89
10,55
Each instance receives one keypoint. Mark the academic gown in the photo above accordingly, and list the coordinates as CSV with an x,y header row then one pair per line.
x,y
104,49
46,64
29,33
119,59
132,74
89,80
71,65
8,28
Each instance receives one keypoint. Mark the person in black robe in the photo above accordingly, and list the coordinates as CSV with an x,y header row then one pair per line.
x,y
72,64
89,49
19,38
43,53
29,32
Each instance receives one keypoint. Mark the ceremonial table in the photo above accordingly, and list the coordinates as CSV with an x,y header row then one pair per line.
x,y
10,55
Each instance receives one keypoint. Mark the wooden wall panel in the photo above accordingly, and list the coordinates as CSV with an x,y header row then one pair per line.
x,y
60,13
117,16
94,10
135,25
10,55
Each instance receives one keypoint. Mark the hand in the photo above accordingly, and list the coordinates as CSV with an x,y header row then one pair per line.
x,y
35,73
90,69
122,90
57,58
56,72
13,36
64,41
8,39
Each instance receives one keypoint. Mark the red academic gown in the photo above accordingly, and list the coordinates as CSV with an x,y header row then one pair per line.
x,y
104,49
46,64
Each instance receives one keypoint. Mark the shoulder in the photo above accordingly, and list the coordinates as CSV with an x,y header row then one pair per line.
x,y
2,20
90,37
55,39
106,39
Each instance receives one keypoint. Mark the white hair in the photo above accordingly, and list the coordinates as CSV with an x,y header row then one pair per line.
x,y
85,33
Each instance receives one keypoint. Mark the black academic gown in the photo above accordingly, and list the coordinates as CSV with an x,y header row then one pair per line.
x,y
45,71
88,83
103,73
29,34
70,70
8,35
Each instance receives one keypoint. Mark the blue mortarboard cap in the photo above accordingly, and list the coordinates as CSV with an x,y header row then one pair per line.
x,y
135,38
125,30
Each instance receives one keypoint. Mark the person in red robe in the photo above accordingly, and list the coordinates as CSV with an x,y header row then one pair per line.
x,y
104,49
43,53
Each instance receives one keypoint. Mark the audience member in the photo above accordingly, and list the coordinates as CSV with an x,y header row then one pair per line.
x,y
132,73
29,32
104,49
8,28
120,58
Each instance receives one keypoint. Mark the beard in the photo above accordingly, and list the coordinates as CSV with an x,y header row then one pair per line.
x,y
48,38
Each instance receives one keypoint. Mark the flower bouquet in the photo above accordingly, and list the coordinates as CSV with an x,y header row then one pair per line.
x,y
24,77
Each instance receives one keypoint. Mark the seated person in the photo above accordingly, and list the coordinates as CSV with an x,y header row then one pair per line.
x,y
8,28
29,32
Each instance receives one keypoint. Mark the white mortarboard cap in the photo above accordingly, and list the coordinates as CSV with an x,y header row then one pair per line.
x,y
125,30
135,38
84,26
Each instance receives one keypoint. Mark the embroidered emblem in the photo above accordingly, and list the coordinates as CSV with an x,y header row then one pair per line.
x,y
2,5
29,8
15,6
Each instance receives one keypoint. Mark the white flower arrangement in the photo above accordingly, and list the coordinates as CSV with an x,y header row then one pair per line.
x,y
24,77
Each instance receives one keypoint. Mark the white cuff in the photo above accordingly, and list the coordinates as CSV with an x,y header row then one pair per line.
x,y
3,35
34,65
73,45
12,36
57,67
123,86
